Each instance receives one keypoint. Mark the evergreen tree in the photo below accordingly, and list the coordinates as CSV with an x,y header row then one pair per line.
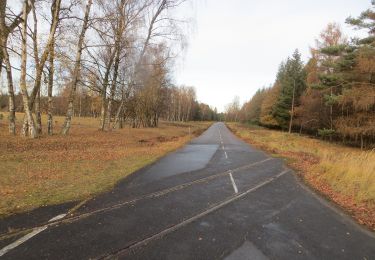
x,y
357,68
292,79
366,20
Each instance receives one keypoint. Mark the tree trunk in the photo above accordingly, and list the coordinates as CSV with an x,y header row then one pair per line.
x,y
4,56
104,92
103,108
50,89
80,105
76,73
38,115
119,32
11,102
25,97
113,90
119,115
55,9
121,122
331,116
292,111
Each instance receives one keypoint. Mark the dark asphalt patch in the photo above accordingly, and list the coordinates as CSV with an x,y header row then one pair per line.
x,y
188,159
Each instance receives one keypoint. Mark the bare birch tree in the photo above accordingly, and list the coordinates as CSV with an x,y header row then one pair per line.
x,y
30,123
77,67
41,61
121,67
5,31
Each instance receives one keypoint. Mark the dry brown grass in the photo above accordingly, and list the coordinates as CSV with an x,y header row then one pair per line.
x,y
344,174
56,169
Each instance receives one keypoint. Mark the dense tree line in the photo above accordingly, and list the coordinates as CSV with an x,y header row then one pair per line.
x,y
108,59
178,105
331,96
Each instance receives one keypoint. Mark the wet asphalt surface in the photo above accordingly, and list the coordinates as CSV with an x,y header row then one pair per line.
x,y
216,198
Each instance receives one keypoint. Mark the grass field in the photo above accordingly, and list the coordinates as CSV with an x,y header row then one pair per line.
x,y
56,169
345,175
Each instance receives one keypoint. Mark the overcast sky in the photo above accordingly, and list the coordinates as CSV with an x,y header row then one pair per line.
x,y
238,45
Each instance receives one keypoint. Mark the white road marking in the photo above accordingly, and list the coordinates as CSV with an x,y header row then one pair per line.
x,y
58,217
222,145
22,240
221,139
33,233
233,183
194,218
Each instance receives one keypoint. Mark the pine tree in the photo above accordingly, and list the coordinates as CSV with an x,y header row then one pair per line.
x,y
292,79
334,60
358,95
346,80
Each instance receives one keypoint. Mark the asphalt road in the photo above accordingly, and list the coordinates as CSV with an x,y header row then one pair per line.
x,y
216,198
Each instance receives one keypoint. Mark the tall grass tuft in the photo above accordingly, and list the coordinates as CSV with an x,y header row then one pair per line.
x,y
351,173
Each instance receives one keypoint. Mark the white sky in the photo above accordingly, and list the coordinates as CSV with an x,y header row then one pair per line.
x,y
238,45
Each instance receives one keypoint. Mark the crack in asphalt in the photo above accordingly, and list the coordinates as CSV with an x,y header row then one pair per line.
x,y
193,218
